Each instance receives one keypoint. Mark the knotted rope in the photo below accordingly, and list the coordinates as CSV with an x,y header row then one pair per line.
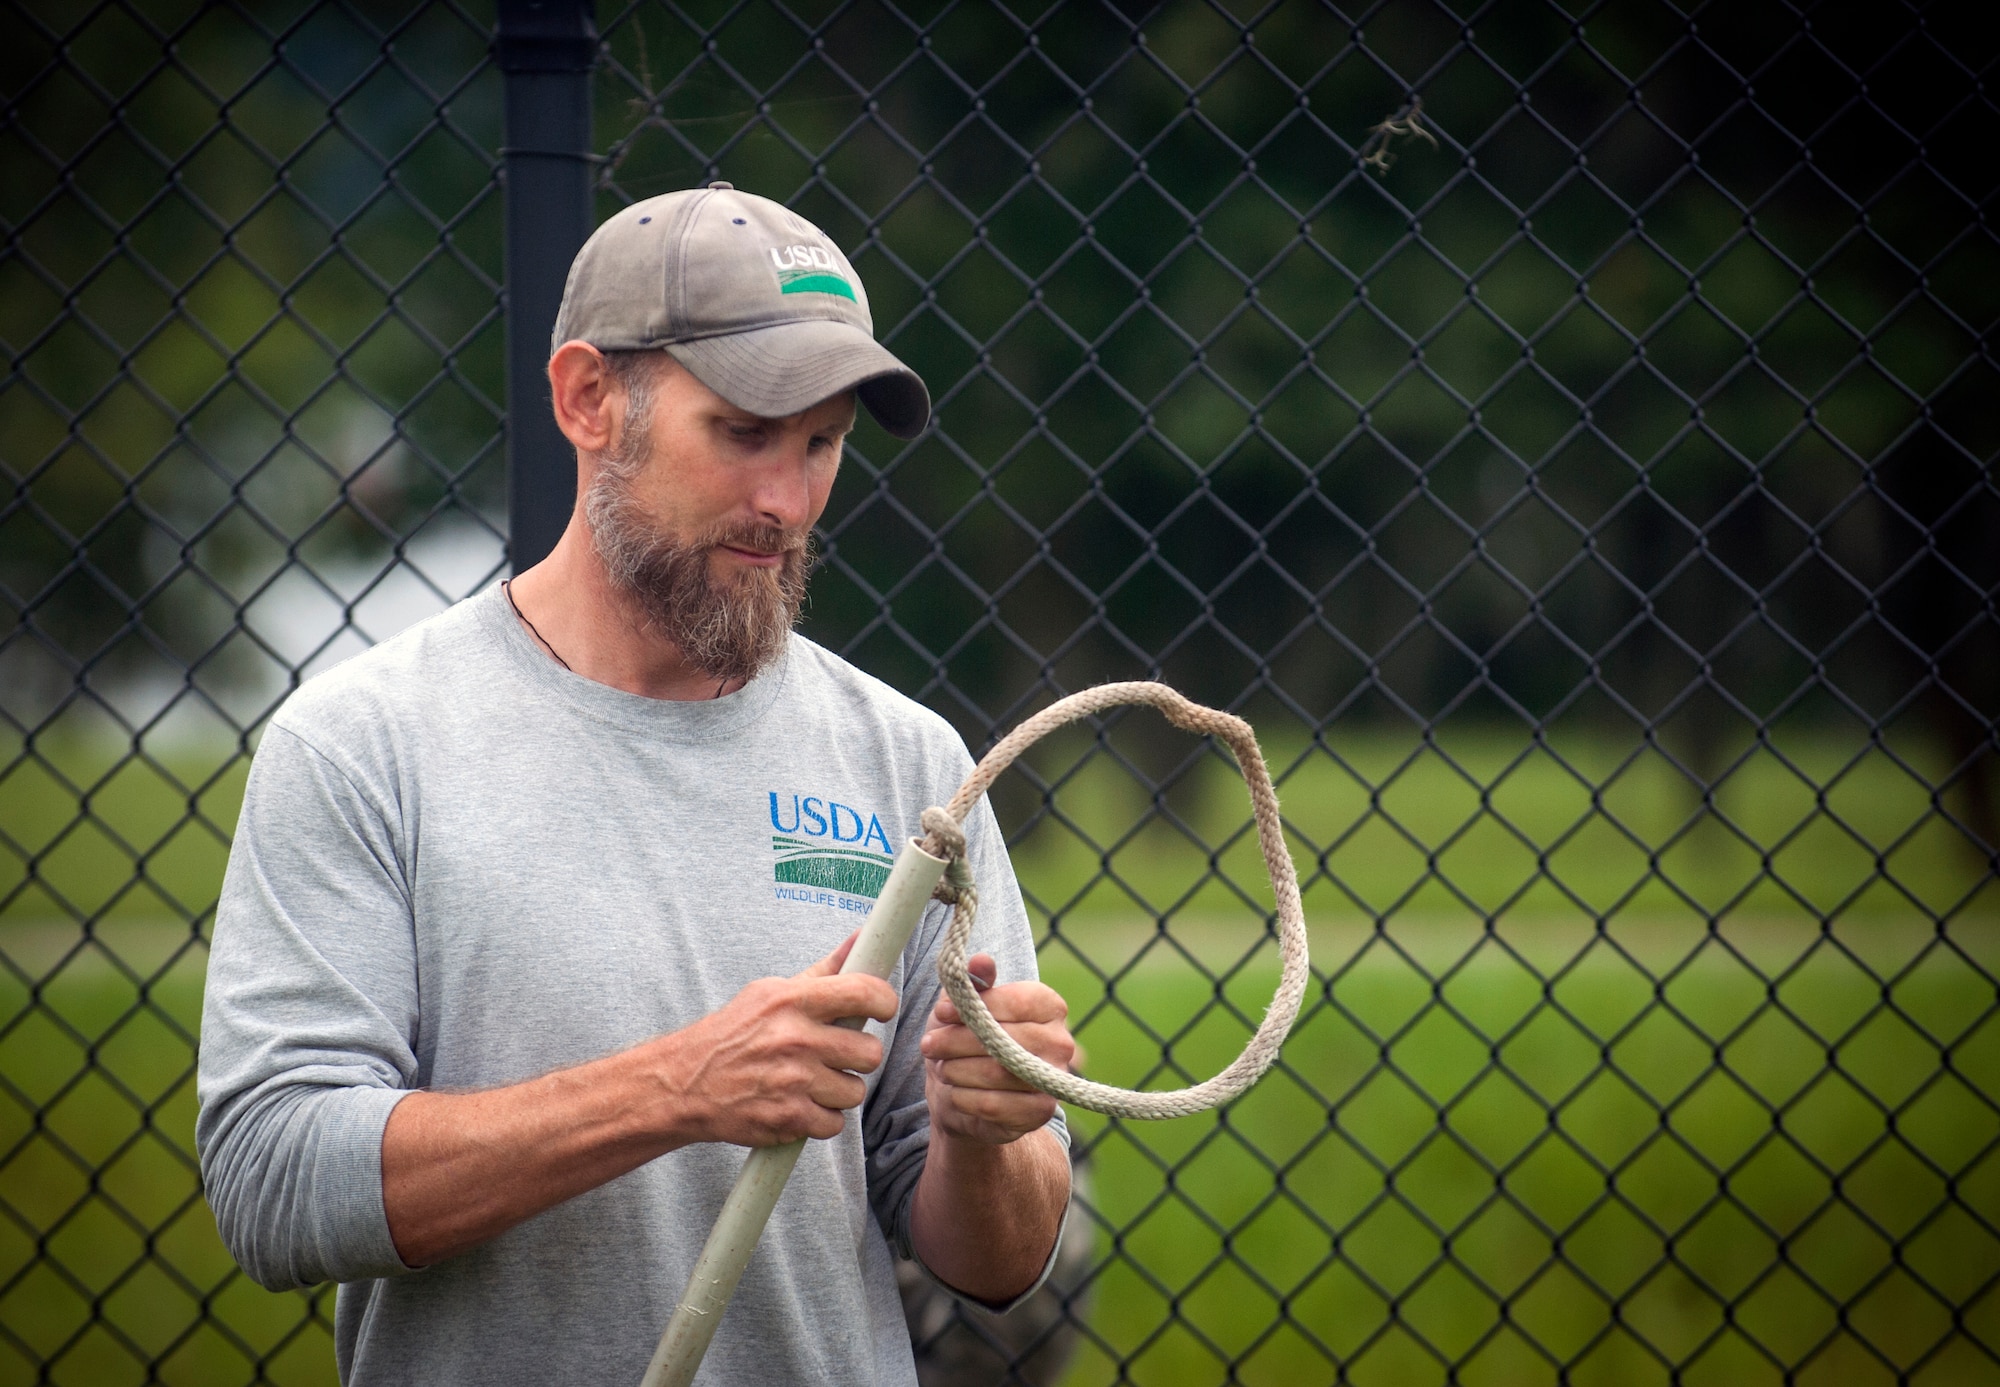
x,y
944,836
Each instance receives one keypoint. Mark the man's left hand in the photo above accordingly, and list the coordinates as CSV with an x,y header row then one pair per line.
x,y
970,1095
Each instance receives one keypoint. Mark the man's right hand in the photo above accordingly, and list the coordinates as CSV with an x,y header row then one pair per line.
x,y
771,1066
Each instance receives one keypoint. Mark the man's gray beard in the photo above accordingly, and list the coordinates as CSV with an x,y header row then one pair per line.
x,y
727,630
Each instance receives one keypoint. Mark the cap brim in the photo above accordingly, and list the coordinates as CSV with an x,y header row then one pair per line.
x,y
787,368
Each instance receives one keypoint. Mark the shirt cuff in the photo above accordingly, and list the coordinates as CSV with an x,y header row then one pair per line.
x,y
1061,1130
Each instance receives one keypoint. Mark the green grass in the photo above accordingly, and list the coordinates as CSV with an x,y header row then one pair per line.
x,y
104,1178
1480,821
1540,1110
1474,821
113,837
1678,1146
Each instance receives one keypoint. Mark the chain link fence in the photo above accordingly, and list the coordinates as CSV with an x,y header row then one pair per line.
x,y
1567,431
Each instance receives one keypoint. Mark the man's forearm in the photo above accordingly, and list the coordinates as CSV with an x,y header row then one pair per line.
x,y
985,1218
460,1168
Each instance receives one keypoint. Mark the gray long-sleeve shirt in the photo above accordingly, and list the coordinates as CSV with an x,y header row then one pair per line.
x,y
459,866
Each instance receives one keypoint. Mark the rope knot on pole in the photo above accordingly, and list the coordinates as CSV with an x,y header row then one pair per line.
x,y
944,837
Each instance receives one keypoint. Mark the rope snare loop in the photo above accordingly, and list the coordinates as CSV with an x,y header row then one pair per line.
x,y
944,836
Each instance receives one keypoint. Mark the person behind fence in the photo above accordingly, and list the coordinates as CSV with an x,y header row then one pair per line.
x,y
534,913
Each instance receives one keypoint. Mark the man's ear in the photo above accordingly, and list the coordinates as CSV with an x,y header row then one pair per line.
x,y
580,391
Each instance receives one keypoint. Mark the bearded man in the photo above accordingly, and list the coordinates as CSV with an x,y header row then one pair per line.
x,y
533,914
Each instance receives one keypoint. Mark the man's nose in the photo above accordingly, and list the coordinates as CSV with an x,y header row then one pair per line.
x,y
784,487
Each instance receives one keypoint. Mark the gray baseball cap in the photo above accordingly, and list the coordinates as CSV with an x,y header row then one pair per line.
x,y
756,302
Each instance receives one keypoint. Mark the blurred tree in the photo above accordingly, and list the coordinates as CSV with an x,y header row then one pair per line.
x,y
250,311
1623,407
1593,414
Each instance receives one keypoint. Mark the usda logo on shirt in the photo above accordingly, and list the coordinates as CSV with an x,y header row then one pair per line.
x,y
826,852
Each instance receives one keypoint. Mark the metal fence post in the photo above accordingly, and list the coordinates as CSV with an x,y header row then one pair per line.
x,y
545,49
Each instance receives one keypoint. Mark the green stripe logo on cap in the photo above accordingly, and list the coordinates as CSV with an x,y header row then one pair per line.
x,y
808,270
816,284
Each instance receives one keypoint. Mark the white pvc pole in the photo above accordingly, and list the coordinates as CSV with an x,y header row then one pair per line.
x,y
748,1208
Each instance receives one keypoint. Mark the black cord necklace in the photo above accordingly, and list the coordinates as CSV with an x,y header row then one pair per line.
x,y
507,587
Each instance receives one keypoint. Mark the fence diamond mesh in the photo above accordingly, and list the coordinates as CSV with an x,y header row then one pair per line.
x,y
1565,430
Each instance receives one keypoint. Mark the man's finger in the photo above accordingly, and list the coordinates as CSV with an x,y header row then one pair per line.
x,y
834,961
1046,1040
1014,1001
848,994
983,971
1026,1001
1018,1113
983,1072
837,1091
855,1051
1049,1039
